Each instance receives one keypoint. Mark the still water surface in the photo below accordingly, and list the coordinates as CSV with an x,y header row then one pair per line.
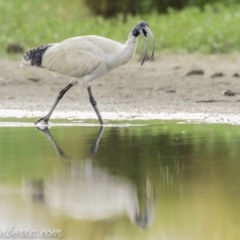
x,y
159,181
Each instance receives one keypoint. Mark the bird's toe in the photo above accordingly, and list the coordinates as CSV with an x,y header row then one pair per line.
x,y
42,122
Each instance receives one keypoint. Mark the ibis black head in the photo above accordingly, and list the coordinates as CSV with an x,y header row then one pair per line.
x,y
143,28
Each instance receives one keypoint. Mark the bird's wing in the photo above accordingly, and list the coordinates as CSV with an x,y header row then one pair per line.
x,y
72,58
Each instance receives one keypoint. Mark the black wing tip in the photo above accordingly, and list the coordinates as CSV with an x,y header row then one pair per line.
x,y
35,55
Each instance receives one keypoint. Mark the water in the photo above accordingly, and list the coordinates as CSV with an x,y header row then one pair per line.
x,y
159,181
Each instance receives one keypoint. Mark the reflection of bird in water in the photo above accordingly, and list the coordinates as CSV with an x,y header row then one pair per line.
x,y
90,192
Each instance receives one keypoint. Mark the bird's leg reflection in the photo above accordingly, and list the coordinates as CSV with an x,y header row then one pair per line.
x,y
61,153
46,131
94,147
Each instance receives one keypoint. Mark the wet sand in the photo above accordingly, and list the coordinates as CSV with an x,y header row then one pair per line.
x,y
184,87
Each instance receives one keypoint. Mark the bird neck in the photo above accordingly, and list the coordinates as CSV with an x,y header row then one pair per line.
x,y
129,48
124,53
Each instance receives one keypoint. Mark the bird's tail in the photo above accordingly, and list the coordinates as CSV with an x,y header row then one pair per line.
x,y
25,62
33,57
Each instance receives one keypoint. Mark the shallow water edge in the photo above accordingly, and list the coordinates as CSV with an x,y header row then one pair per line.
x,y
113,116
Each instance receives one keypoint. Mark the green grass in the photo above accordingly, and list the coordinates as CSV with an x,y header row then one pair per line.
x,y
32,23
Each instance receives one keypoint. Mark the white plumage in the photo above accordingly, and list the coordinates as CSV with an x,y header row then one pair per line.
x,y
85,58
89,57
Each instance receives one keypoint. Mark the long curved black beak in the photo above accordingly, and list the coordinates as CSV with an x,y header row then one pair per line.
x,y
144,35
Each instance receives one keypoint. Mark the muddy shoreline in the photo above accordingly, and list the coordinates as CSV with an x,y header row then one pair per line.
x,y
170,87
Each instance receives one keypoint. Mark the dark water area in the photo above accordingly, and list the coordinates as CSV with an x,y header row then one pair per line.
x,y
159,181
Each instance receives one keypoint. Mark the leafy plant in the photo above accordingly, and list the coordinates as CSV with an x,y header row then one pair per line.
x,y
213,29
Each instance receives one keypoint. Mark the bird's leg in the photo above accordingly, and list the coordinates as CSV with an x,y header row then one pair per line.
x,y
60,95
94,104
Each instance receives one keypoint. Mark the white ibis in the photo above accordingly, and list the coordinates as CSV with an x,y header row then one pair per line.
x,y
85,59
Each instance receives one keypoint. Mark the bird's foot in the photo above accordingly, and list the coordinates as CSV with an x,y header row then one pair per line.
x,y
43,121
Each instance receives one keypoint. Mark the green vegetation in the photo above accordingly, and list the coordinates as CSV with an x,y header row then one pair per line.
x,y
210,29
